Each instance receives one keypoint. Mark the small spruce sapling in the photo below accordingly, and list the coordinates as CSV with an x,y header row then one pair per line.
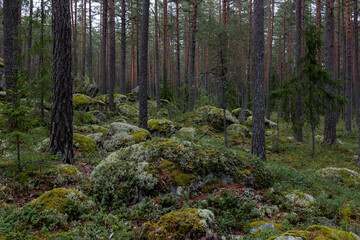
x,y
311,84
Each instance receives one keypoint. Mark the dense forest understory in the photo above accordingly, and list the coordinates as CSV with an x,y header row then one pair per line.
x,y
179,120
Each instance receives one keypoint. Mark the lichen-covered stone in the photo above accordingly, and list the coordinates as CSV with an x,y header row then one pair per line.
x,y
259,226
300,199
99,115
241,114
187,132
87,104
317,232
169,105
85,144
269,124
127,110
238,130
341,175
123,134
118,98
161,127
190,223
215,117
172,166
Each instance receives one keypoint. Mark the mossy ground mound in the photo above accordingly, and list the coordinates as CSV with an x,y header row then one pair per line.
x,y
85,145
186,224
85,103
317,232
172,166
161,127
342,175
127,110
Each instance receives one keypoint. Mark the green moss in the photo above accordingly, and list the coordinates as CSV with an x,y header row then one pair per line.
x,y
258,223
317,232
127,110
140,136
81,99
55,199
178,176
211,186
85,144
161,126
186,224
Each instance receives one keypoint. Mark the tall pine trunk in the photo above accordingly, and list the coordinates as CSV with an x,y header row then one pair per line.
x,y
61,134
123,48
103,85
90,62
192,58
331,113
28,65
177,79
258,138
348,72
83,40
143,65
112,54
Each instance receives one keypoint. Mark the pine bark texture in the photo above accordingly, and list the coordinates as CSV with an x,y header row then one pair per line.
x,y
331,113
11,49
348,70
83,40
28,65
90,47
123,48
112,54
192,58
157,59
143,65
356,63
61,135
258,138
103,85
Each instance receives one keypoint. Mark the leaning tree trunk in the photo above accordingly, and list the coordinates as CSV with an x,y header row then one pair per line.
x,y
258,138
143,65
331,112
61,135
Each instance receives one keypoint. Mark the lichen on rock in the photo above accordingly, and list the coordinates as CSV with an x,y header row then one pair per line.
x,y
84,144
215,117
161,127
342,175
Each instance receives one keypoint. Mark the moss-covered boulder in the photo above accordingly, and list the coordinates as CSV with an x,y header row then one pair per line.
x,y
269,124
238,131
99,115
85,145
190,223
118,98
89,129
187,132
127,110
169,106
341,175
241,114
161,127
163,166
123,134
300,199
215,117
56,199
260,226
317,232
85,103
133,96
84,118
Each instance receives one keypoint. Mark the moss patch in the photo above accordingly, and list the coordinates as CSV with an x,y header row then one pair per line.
x,y
84,144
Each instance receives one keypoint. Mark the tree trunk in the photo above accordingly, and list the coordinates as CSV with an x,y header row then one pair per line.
x,y
112,54
75,39
61,134
258,138
269,55
177,79
192,58
132,48
41,60
348,114
249,58
90,46
164,56
11,51
103,85
123,48
356,62
30,37
331,113
143,65
83,40
318,23
298,121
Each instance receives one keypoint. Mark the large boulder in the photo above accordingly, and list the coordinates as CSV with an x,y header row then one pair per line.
x,y
171,166
161,127
215,117
123,134
127,110
85,145
241,114
238,131
190,223
88,104
133,96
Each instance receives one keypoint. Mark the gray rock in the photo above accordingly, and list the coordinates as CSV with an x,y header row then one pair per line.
x,y
265,226
289,238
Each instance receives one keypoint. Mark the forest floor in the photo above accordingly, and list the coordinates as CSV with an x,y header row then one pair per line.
x,y
147,191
